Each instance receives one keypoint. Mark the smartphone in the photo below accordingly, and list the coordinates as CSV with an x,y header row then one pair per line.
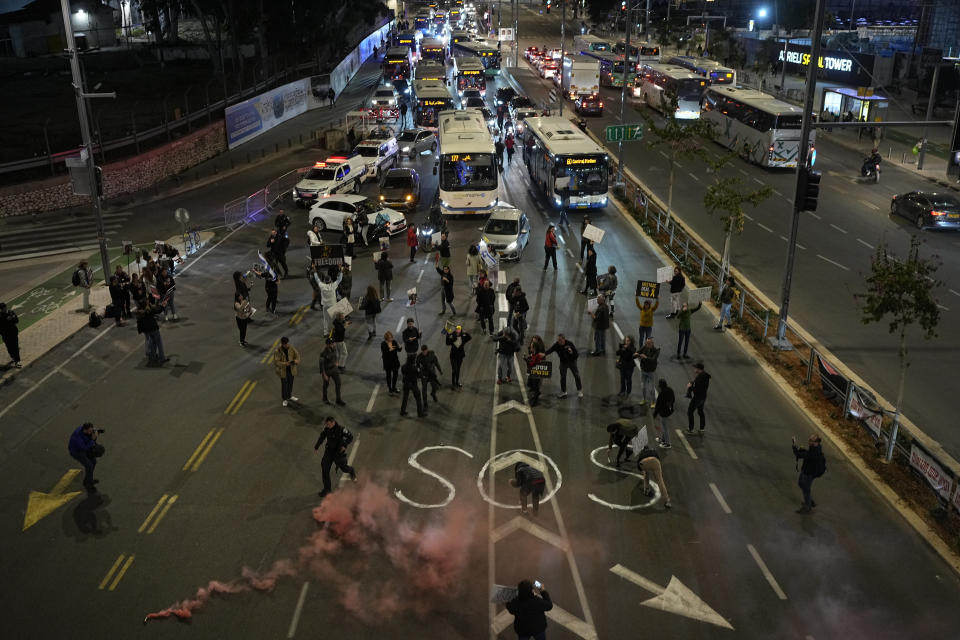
x,y
537,584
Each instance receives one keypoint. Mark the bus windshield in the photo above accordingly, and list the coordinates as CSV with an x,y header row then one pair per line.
x,y
690,89
427,116
468,172
588,174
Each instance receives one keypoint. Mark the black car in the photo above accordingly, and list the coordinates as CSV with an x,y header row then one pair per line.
x,y
518,102
589,104
474,103
928,210
505,95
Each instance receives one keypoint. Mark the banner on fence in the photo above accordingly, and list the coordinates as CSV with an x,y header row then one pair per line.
x,y
664,274
248,119
930,469
593,233
648,289
834,384
698,295
956,498
865,407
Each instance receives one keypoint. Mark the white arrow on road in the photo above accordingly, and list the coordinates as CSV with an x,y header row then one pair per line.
x,y
676,598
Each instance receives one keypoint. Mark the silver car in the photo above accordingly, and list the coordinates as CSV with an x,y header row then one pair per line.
x,y
506,232
415,141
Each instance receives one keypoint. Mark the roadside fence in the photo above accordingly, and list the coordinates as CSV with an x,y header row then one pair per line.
x,y
243,209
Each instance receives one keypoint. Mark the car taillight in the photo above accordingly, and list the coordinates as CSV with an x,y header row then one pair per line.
x,y
601,104
938,213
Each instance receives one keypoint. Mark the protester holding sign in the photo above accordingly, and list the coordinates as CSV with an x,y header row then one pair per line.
x,y
646,318
684,328
814,466
535,355
677,284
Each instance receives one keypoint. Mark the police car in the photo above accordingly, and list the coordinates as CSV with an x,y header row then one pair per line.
x,y
336,174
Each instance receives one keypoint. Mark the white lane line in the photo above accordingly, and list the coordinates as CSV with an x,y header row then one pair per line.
x,y
419,277
693,176
580,268
864,243
759,181
766,573
799,246
664,154
723,503
570,253
811,213
748,217
502,305
55,370
940,306
744,172
840,229
616,328
194,261
679,166
764,227
953,292
296,612
399,325
373,398
350,458
686,444
836,264
869,204
778,193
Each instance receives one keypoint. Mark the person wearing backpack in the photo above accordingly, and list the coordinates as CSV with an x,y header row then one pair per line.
x,y
83,278
814,465
663,409
337,439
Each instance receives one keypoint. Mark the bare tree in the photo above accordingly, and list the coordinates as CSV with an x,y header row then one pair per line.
x,y
901,292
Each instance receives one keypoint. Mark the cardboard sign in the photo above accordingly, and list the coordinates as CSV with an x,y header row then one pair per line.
x,y
592,305
501,594
435,239
594,233
542,370
340,306
664,274
327,255
648,289
700,294
640,440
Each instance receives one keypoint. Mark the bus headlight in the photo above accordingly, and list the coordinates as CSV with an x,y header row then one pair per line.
x,y
557,200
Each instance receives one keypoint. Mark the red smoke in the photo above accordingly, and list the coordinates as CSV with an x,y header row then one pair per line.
x,y
357,525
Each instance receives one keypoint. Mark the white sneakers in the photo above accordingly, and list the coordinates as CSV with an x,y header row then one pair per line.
x,y
285,403
295,398
579,394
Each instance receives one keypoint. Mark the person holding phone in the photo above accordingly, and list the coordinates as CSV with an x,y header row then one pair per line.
x,y
529,609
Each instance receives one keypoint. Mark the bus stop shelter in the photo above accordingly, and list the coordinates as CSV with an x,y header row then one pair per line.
x,y
849,104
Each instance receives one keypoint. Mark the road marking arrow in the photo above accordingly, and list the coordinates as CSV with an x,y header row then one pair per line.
x,y
676,598
510,404
40,505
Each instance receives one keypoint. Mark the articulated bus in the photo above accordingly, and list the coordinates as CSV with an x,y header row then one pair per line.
x,y
487,55
397,63
469,74
422,23
468,167
640,51
433,96
656,81
434,50
756,125
566,164
611,68
590,43
429,70
712,70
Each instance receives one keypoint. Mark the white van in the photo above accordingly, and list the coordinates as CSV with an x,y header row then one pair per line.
x,y
336,174
378,155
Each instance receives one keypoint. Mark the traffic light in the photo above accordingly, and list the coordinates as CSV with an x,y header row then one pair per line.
x,y
623,5
808,189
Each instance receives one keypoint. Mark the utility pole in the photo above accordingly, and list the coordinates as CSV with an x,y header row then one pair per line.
x,y
783,65
563,54
930,104
516,38
623,89
646,24
82,97
780,342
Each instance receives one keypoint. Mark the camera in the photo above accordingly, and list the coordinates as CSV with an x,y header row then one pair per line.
x,y
537,584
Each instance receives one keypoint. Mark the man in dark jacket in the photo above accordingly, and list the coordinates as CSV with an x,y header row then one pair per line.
x,y
10,334
531,483
508,343
152,342
410,377
648,356
384,275
677,283
486,299
621,433
814,466
411,337
82,448
330,371
663,409
601,324
528,611
429,367
337,439
567,354
697,392
443,251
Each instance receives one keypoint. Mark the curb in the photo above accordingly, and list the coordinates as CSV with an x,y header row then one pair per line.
x,y
874,481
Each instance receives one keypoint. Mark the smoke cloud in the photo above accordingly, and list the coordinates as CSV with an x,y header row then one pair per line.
x,y
360,532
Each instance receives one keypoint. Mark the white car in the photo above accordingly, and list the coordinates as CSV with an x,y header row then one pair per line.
x,y
385,96
506,232
379,155
329,213
336,174
549,70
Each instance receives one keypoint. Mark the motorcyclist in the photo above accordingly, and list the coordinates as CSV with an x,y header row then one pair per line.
x,y
871,163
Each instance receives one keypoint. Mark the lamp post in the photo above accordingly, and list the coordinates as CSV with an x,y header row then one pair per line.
x,y
563,55
623,89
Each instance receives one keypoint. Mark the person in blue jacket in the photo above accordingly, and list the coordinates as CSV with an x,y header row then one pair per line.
x,y
83,448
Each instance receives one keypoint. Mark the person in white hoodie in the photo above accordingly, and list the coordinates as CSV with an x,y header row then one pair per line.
x,y
328,294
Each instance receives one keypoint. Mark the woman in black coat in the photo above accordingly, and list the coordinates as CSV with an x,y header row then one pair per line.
x,y
446,290
390,352
590,270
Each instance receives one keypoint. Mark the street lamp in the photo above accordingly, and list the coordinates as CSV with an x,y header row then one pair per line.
x,y
762,12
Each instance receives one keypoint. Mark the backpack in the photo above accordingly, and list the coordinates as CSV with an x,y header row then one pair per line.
x,y
76,278
95,319
821,468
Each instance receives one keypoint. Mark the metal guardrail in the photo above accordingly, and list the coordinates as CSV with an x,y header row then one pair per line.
x,y
241,210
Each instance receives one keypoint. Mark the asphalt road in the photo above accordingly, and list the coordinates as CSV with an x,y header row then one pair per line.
x,y
836,245
206,474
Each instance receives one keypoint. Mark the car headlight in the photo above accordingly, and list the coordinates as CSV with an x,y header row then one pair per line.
x,y
512,246
405,149
381,197
409,197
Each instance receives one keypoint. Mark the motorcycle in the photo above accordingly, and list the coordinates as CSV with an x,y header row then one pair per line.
x,y
582,124
435,223
871,169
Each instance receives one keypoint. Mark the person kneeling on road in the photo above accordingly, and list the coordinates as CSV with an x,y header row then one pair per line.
x,y
531,483
621,433
648,461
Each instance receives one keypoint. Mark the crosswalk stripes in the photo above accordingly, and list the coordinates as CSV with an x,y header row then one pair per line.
x,y
59,236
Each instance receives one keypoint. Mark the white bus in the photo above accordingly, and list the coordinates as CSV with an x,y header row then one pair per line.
x,y
432,98
756,125
639,51
488,56
591,43
712,70
469,74
434,50
430,71
467,165
565,164
657,81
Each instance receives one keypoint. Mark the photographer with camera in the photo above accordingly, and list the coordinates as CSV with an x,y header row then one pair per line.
x,y
528,610
84,449
814,465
